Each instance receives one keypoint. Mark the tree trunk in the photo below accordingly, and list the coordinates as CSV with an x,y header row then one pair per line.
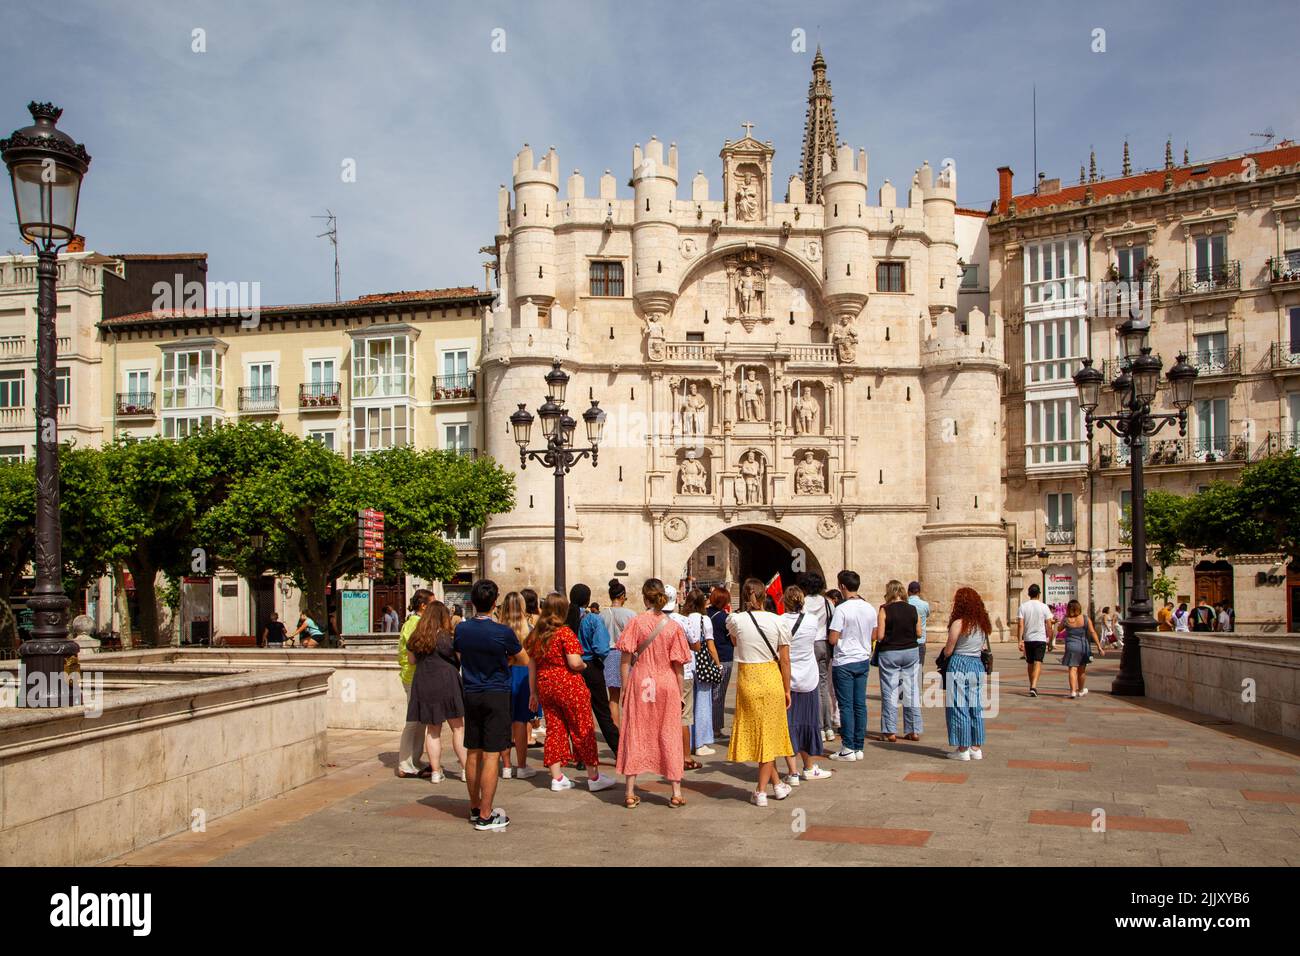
x,y
146,596
314,581
121,605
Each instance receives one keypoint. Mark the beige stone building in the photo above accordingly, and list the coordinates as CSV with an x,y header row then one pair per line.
x,y
1214,248
358,375
786,381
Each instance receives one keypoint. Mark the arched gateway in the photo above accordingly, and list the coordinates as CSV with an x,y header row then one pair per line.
x,y
785,378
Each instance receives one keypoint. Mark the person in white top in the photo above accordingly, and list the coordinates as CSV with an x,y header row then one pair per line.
x,y
1031,633
804,715
761,731
852,625
1182,618
688,677
818,607
699,633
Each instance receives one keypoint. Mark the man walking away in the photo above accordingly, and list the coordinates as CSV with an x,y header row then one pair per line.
x,y
485,648
1031,633
1203,616
923,612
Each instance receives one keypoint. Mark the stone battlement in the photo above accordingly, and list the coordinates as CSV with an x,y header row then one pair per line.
x,y
944,343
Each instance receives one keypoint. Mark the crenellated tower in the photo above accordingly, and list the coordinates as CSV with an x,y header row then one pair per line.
x,y
846,234
655,275
963,542
939,201
532,227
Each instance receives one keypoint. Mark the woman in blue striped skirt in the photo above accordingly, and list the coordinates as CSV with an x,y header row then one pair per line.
x,y
968,628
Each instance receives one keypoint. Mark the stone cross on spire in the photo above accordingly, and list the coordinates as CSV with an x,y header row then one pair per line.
x,y
820,137
749,129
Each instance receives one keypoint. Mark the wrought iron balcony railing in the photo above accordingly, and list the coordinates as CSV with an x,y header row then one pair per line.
x,y
1205,280
455,388
1217,361
1179,451
1285,268
1060,534
259,398
137,403
1285,355
322,395
1282,441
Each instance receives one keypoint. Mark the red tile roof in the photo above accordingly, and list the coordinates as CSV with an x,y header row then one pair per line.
x,y
1155,179
458,294
980,213
157,256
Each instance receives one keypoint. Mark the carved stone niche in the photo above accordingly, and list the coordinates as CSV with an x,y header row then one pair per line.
x,y
811,472
692,406
747,180
694,472
749,276
753,385
751,483
807,407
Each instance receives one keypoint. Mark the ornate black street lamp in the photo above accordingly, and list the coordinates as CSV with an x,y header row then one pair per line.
x,y
46,166
1044,562
559,454
1135,388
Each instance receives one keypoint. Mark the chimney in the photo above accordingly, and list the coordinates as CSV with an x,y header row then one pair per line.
x,y
76,244
1047,187
1004,189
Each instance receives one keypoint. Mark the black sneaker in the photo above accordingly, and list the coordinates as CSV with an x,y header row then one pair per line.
x,y
498,821
473,816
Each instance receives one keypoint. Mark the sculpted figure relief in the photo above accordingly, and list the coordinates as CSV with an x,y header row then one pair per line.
x,y
747,198
809,476
694,412
695,479
845,340
750,491
805,413
752,404
655,338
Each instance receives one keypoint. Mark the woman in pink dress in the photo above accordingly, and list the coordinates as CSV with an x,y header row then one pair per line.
x,y
653,648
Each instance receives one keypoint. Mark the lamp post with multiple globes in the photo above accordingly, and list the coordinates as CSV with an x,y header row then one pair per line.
x,y
559,454
1135,389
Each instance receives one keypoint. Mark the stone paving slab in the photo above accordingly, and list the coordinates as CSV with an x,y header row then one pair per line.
x,y
1177,790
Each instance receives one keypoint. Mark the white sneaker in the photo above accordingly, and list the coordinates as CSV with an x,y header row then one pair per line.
x,y
817,773
781,790
507,773
859,755
437,777
603,782
976,753
1073,695
525,773
959,755
705,751
843,755
792,779
564,783
758,799
1084,692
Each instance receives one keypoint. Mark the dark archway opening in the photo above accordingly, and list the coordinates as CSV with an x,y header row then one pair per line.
x,y
737,553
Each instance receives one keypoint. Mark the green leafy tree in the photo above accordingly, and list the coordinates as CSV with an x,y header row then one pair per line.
x,y
17,522
1269,493
1164,514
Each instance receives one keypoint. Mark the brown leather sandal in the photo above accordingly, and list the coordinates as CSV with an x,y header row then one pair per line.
x,y
632,802
692,765
676,802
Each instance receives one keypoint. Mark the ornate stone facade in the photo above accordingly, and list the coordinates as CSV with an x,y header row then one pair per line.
x,y
759,372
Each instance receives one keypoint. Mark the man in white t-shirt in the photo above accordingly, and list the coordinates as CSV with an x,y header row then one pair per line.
x,y
852,625
1032,622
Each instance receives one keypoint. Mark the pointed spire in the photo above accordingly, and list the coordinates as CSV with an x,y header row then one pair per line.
x,y
1092,166
1169,153
820,137
1128,167
1186,161
1082,178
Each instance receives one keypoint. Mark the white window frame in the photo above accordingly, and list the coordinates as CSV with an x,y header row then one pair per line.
x,y
18,376
376,427
185,385
1055,270
460,429
385,376
1045,417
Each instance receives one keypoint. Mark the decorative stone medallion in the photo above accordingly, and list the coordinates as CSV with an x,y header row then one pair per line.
x,y
827,526
676,529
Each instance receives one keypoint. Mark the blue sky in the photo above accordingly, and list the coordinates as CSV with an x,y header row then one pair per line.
x,y
234,150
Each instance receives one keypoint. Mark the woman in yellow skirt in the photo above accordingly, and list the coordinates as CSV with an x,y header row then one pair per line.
x,y
761,730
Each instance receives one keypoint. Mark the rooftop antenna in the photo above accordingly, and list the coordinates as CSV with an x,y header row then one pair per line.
x,y
332,232
1267,136
1035,139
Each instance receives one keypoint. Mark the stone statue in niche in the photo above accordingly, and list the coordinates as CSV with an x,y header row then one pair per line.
x,y
845,340
747,198
810,476
655,337
752,403
805,412
694,476
750,490
694,411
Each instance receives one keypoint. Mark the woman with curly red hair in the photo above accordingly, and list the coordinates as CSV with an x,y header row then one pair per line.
x,y
555,680
968,630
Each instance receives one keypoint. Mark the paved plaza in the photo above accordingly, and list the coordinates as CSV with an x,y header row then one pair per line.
x,y
1176,789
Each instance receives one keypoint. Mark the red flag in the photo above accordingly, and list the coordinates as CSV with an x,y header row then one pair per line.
x,y
776,592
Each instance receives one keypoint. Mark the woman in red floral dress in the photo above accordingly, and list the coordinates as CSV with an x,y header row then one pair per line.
x,y
554,678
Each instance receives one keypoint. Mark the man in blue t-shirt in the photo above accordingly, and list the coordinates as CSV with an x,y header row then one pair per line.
x,y
923,612
485,648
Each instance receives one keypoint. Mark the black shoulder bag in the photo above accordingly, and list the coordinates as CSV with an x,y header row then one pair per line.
x,y
706,671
